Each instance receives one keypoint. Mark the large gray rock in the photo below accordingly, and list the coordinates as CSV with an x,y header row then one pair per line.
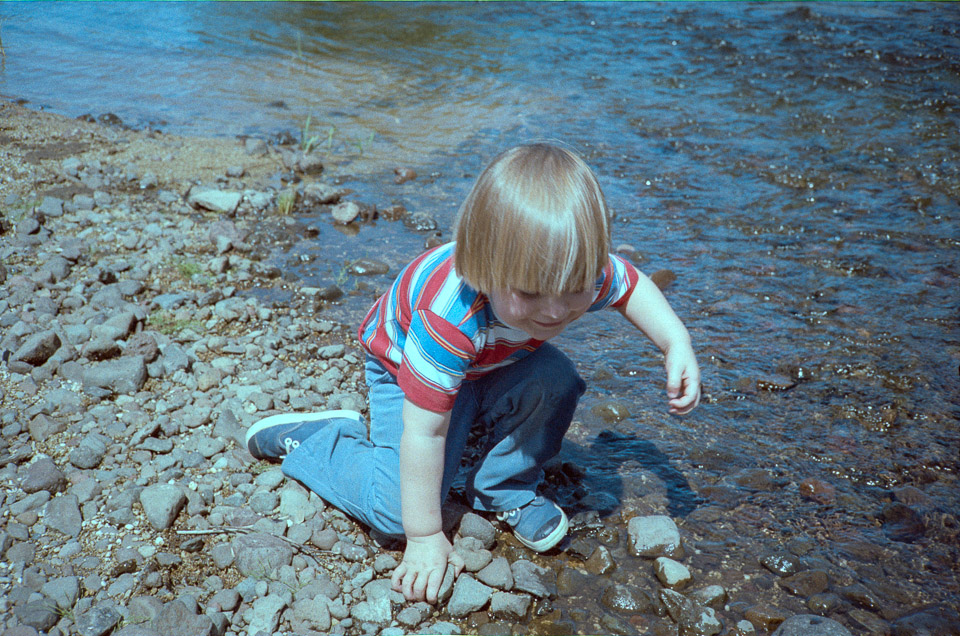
x,y
177,618
654,536
473,525
37,349
98,621
125,375
811,625
223,202
90,452
63,591
264,615
162,503
497,574
312,614
258,554
511,607
469,595
63,513
40,615
376,611
531,578
43,474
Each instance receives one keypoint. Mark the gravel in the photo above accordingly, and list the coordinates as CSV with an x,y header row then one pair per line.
x,y
134,355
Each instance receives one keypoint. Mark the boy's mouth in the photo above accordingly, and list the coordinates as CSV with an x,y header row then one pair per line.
x,y
548,325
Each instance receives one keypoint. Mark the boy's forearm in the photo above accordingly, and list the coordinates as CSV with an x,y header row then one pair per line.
x,y
648,310
422,447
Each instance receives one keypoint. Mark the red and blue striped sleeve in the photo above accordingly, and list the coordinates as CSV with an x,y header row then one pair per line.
x,y
616,284
436,356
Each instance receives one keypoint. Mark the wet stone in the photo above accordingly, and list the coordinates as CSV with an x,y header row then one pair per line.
x,y
368,267
858,594
765,617
806,583
511,607
930,621
601,562
711,596
823,603
625,600
672,574
533,579
781,564
697,620
345,212
573,582
810,625
902,523
868,622
654,536
818,490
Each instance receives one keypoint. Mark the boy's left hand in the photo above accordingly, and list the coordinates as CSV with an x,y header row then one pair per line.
x,y
683,379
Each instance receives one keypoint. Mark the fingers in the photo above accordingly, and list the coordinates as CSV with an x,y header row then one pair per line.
x,y
397,579
458,564
674,381
686,402
423,584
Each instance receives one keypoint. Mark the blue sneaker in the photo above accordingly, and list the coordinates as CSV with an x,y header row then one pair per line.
x,y
539,525
277,436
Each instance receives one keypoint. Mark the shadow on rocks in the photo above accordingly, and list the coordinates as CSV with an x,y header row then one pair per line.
x,y
610,450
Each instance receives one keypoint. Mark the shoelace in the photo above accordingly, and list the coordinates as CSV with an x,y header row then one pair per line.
x,y
504,515
290,444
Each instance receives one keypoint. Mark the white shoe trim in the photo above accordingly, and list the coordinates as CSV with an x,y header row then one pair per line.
x,y
551,539
291,418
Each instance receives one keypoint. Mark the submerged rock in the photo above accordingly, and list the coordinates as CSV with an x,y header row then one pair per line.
x,y
811,625
654,536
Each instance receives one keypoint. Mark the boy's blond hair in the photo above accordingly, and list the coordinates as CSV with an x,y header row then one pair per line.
x,y
535,221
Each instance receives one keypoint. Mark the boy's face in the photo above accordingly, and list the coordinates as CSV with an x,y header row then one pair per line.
x,y
540,316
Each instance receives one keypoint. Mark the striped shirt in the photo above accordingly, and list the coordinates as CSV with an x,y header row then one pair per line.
x,y
432,330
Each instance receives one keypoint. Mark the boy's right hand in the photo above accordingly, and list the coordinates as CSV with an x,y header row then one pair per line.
x,y
425,560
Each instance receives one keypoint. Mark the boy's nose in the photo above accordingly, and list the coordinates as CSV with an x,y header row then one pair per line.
x,y
554,308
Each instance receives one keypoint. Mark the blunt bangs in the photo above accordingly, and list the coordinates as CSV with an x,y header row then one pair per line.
x,y
536,221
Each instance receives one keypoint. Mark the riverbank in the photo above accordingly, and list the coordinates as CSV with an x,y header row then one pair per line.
x,y
138,346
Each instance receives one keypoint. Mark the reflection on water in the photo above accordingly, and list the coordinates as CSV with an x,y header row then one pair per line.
x,y
794,165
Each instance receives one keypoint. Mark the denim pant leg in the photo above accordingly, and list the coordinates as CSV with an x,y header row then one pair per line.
x,y
526,408
354,473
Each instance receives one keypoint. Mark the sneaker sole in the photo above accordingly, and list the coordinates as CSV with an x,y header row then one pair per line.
x,y
551,539
292,418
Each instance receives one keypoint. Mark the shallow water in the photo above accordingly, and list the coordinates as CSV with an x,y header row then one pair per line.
x,y
795,165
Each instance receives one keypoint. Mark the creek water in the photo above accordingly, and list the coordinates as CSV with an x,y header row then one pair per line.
x,y
795,165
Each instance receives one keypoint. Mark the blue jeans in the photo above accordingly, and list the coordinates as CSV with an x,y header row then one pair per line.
x,y
525,409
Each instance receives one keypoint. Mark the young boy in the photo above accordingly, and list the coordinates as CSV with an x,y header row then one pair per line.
x,y
460,341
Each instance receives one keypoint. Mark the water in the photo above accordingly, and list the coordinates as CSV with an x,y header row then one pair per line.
x,y
794,165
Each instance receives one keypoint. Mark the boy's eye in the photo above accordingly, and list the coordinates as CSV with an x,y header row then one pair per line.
x,y
525,294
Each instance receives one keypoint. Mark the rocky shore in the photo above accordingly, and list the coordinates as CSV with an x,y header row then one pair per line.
x,y
137,348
